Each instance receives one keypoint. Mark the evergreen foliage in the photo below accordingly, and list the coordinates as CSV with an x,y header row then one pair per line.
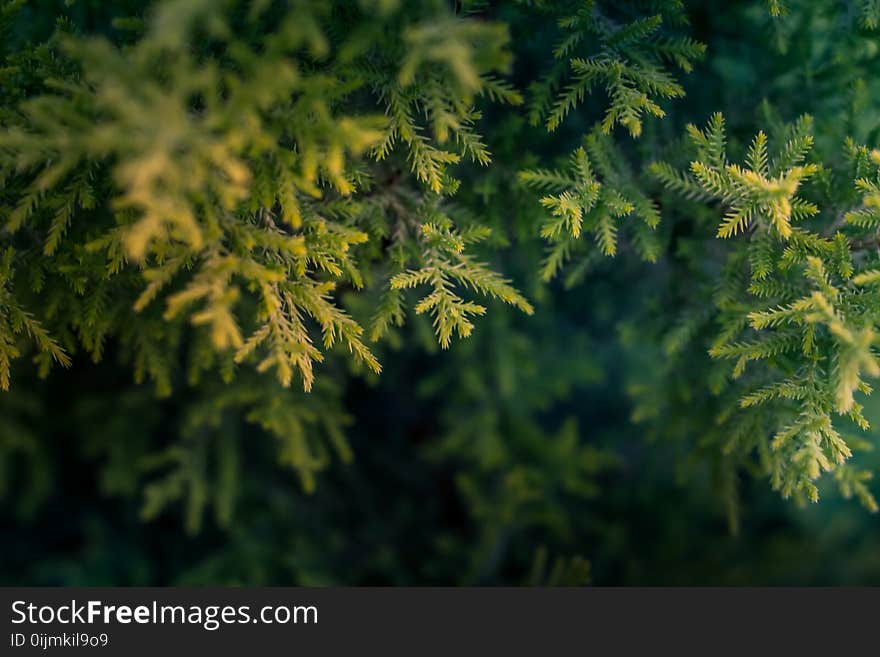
x,y
802,312
329,236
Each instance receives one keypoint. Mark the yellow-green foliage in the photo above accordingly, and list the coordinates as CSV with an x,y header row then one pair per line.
x,y
241,176
211,188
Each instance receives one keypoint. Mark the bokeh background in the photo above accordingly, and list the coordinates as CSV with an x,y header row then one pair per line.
x,y
565,447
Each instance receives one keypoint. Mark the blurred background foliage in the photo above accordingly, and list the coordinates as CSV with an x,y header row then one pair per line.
x,y
562,447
